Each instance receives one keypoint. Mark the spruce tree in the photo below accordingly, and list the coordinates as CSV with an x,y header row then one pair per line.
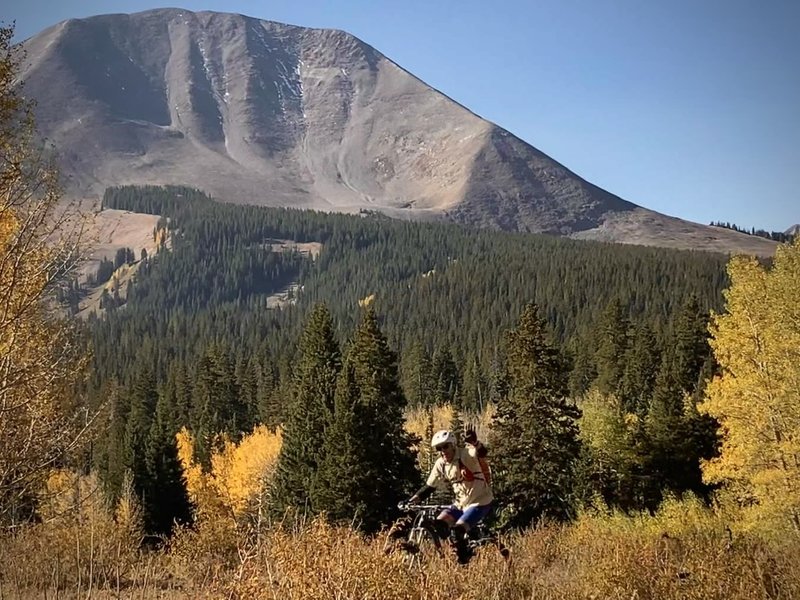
x,y
111,453
678,436
474,387
612,342
583,374
664,429
341,487
692,351
166,499
267,404
446,379
535,432
142,397
217,405
417,376
642,361
311,406
368,427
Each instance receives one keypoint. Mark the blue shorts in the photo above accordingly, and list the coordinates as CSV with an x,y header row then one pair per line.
x,y
471,516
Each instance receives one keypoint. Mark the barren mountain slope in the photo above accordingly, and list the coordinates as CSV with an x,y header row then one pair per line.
x,y
261,112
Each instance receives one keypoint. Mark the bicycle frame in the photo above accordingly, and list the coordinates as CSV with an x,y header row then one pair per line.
x,y
422,527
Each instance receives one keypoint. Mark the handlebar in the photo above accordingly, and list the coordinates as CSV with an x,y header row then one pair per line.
x,y
407,507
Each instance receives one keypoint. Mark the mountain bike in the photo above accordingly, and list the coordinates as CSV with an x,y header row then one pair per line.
x,y
422,540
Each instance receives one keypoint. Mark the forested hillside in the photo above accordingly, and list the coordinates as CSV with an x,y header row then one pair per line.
x,y
445,288
196,334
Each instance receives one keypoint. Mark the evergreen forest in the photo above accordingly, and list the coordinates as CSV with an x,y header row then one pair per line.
x,y
196,344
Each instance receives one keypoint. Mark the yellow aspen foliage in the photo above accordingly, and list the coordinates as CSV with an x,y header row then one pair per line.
x,y
608,431
417,421
756,398
239,473
196,483
42,359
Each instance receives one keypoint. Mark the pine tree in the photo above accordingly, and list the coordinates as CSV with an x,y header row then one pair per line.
x,y
342,488
370,405
642,363
309,413
535,434
612,342
166,499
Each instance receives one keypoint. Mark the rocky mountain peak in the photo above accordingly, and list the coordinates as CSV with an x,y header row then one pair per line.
x,y
260,112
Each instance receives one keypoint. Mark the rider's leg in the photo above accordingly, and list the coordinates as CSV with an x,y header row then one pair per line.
x,y
462,548
445,521
442,528
473,515
469,519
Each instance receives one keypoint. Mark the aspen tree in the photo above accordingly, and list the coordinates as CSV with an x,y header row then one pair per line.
x,y
757,396
41,356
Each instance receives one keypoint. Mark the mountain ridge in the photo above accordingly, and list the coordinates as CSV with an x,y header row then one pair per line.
x,y
260,112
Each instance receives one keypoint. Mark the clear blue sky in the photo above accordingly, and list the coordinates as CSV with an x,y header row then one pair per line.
x,y
688,107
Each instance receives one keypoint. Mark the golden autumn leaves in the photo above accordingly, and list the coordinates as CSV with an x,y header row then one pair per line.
x,y
41,357
756,397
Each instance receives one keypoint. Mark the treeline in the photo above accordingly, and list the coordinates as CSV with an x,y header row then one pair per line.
x,y
196,344
777,236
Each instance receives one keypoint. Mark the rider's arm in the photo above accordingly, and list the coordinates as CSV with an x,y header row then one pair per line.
x,y
480,450
434,481
473,444
425,491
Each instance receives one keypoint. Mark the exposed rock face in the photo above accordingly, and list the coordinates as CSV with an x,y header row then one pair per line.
x,y
259,112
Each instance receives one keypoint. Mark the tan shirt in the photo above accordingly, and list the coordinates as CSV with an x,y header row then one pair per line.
x,y
465,475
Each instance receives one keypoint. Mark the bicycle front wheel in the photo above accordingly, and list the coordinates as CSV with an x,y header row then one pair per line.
x,y
423,545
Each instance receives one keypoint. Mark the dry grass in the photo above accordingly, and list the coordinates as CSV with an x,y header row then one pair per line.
x,y
84,549
683,552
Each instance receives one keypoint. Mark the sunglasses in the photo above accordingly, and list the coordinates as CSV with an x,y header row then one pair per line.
x,y
441,447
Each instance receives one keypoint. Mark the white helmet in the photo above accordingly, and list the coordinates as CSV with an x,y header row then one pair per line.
x,y
443,437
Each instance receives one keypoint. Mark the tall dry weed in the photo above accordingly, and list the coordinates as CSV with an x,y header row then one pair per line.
x,y
81,542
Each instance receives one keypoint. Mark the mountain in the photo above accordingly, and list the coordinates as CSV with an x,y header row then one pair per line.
x,y
260,112
793,230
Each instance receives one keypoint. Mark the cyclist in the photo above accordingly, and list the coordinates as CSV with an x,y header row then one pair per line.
x,y
460,468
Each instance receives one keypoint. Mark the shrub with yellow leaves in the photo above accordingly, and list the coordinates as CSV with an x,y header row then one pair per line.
x,y
230,500
239,474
